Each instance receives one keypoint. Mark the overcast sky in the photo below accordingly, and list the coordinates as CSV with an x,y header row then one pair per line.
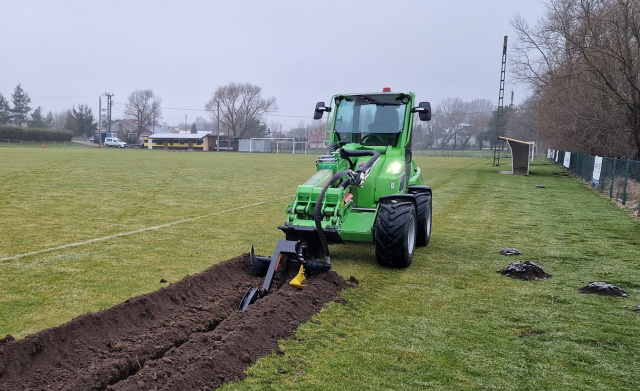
x,y
66,53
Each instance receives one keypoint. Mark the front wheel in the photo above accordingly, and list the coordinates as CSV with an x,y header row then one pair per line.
x,y
395,234
424,217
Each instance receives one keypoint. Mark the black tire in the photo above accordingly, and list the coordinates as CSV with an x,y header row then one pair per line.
x,y
394,234
424,218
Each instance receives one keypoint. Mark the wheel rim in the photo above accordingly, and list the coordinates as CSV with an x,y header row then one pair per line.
x,y
411,235
429,220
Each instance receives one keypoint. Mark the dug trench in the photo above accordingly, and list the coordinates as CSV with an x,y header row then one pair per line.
x,y
186,336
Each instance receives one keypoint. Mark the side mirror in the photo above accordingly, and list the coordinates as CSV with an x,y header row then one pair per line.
x,y
423,110
320,109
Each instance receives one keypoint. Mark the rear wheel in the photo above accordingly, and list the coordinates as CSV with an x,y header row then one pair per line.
x,y
423,217
395,234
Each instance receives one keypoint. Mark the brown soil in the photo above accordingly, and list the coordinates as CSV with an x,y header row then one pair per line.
x,y
602,288
526,270
187,336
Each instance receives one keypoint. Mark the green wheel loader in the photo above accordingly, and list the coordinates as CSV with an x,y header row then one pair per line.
x,y
367,188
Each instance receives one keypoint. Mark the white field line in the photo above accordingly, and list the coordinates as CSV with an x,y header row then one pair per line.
x,y
137,231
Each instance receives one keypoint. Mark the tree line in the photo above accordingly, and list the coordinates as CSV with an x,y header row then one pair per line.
x,y
80,121
582,60
238,109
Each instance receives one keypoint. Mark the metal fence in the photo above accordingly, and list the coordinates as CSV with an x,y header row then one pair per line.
x,y
13,143
617,178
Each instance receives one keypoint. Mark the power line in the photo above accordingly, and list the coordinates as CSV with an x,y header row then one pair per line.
x,y
204,110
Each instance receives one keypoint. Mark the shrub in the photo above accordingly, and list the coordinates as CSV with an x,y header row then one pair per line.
x,y
34,134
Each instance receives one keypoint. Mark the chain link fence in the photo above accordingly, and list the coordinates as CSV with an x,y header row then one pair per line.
x,y
619,179
13,143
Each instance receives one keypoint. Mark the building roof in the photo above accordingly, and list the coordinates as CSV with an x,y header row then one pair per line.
x,y
180,136
515,141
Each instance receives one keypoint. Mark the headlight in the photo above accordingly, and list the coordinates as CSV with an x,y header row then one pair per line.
x,y
395,168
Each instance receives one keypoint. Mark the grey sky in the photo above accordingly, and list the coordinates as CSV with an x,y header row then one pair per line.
x,y
66,53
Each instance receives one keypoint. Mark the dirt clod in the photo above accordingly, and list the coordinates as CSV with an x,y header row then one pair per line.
x,y
510,251
602,288
7,339
526,270
157,341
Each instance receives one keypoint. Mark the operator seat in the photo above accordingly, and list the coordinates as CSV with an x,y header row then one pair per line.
x,y
386,124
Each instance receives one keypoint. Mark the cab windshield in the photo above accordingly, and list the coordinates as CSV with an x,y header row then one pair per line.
x,y
375,119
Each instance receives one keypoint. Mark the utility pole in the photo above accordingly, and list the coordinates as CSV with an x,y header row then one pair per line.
x,y
99,121
218,138
499,116
109,103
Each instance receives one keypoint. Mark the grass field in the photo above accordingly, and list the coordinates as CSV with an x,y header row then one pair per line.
x,y
82,229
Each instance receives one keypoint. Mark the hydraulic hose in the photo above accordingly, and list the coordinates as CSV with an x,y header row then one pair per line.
x,y
317,213
369,152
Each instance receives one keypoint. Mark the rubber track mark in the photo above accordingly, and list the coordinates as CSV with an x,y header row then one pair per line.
x,y
137,231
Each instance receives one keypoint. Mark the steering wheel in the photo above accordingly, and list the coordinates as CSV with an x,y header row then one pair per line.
x,y
372,139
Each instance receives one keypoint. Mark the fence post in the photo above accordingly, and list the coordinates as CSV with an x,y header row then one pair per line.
x,y
613,177
626,180
602,175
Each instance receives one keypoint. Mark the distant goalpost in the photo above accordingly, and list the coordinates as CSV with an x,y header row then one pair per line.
x,y
277,145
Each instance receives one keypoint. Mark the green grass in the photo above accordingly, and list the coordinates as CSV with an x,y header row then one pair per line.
x,y
449,322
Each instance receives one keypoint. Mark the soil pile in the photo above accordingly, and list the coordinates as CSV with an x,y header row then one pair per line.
x,y
510,251
602,288
186,336
526,270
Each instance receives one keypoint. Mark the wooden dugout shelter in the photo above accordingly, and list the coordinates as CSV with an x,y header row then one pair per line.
x,y
520,153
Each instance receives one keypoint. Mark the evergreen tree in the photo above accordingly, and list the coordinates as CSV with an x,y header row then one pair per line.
x,y
256,128
70,122
21,107
37,120
83,121
5,111
49,121
492,131
193,128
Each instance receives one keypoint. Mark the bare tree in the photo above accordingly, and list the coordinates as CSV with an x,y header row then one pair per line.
x,y
300,132
523,121
449,119
202,124
477,117
241,106
60,120
275,128
144,108
583,59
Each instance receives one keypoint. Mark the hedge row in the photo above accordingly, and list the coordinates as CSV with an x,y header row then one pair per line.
x,y
34,134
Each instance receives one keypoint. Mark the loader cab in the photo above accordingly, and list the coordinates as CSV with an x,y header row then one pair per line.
x,y
370,120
